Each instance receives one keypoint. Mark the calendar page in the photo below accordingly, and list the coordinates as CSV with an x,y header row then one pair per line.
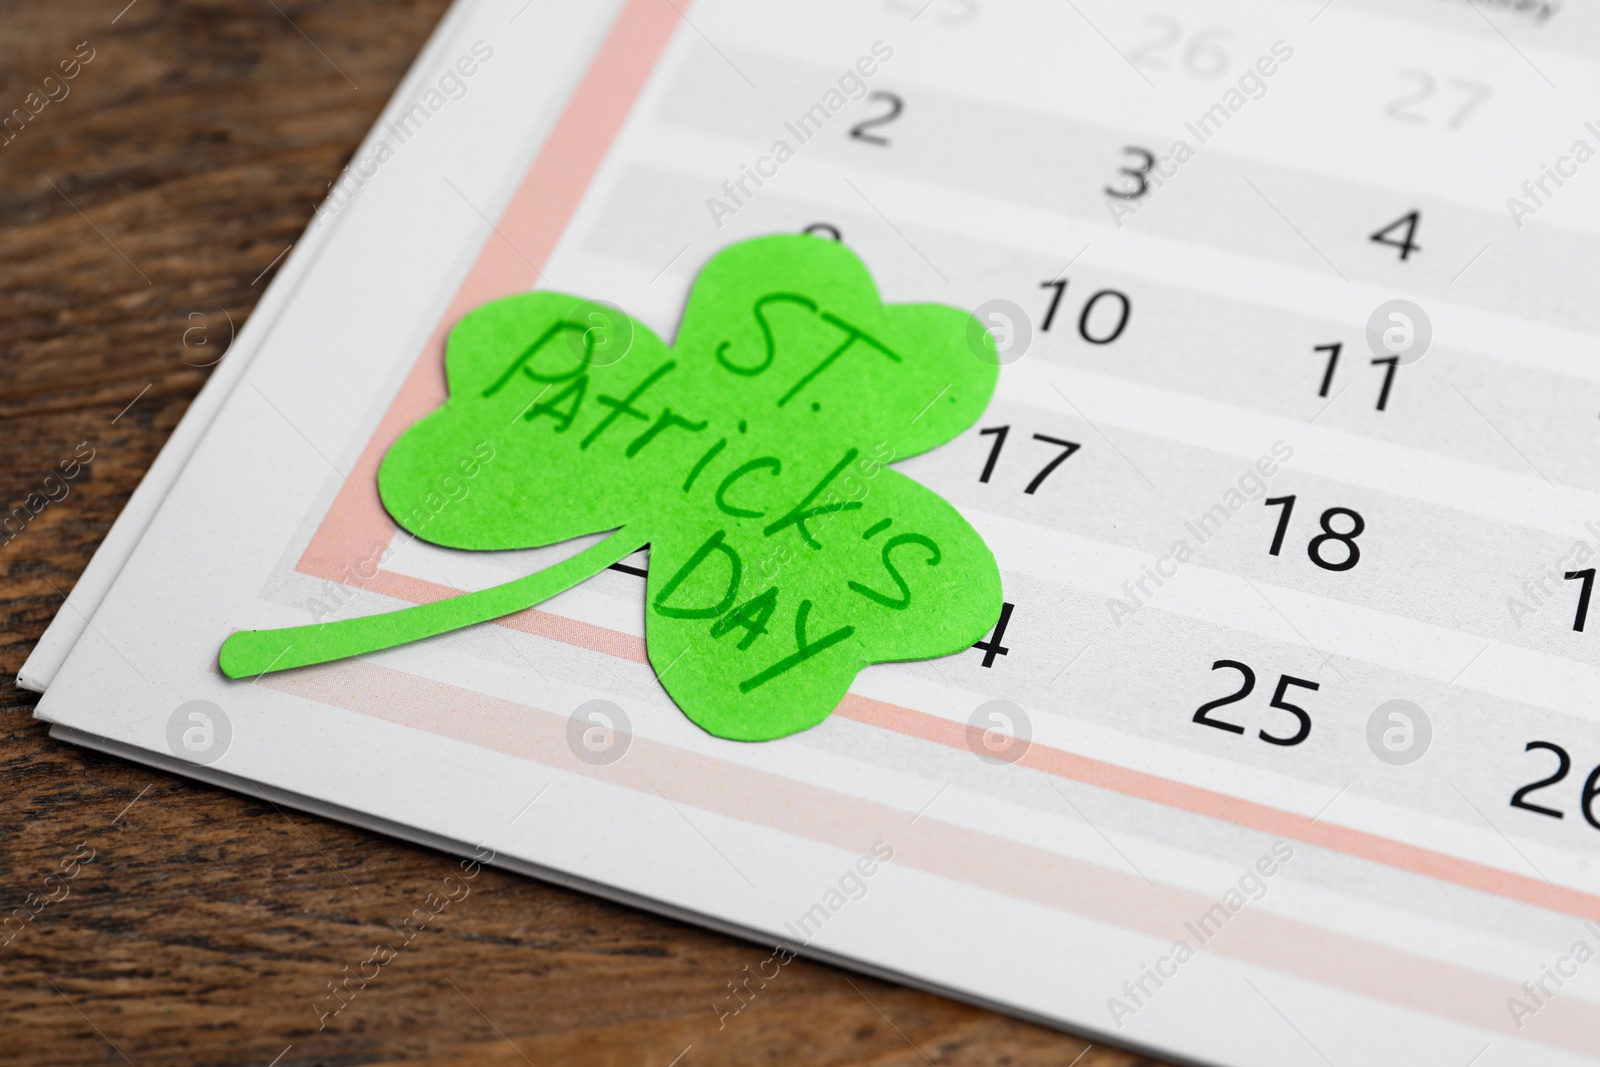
x,y
1285,747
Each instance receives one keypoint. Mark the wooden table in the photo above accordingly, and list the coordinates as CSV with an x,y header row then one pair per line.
x,y
141,212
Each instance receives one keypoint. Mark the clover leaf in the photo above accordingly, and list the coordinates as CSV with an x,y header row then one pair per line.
x,y
750,456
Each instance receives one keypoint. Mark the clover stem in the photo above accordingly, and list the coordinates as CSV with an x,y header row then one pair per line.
x,y
255,652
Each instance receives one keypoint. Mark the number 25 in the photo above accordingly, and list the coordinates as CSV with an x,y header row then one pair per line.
x,y
1203,717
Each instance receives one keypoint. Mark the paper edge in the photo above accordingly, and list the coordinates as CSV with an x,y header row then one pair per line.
x,y
127,530
322,809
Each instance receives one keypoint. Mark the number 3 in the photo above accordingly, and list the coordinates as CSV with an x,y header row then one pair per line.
x,y
1140,175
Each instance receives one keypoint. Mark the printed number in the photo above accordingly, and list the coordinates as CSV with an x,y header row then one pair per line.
x,y
1388,362
949,12
1473,94
1583,595
1407,244
999,434
1591,786
1591,789
1203,58
993,647
1287,502
1249,675
896,105
1563,765
1352,552
1124,309
1333,361
1139,174
1301,717
1347,539
824,229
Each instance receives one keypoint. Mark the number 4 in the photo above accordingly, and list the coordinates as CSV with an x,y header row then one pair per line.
x,y
992,647
1406,244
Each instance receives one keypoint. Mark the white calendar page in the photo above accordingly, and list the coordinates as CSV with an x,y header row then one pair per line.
x,y
1287,747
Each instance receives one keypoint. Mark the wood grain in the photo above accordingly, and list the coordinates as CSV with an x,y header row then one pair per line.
x,y
152,200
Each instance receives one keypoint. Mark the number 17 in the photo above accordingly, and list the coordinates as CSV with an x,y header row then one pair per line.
x,y
999,434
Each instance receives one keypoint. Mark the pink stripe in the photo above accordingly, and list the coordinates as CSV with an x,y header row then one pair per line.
x,y
1097,773
531,226
1245,813
947,850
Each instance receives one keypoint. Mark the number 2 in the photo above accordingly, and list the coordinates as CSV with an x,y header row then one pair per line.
x,y
1200,715
1564,765
1397,109
896,105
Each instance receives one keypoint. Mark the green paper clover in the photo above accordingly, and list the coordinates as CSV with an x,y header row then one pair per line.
x,y
749,456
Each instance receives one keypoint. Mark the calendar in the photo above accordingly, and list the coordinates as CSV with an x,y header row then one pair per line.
x,y
1285,745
